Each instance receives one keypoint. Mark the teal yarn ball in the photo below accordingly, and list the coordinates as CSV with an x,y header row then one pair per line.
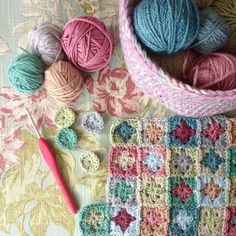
x,y
26,73
66,139
166,26
213,32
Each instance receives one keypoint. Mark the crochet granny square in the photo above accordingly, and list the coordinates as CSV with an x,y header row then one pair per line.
x,y
168,177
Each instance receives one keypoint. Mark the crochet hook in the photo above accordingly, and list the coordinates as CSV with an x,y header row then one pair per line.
x,y
51,162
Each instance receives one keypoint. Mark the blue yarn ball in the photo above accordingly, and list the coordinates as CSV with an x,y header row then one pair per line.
x,y
26,73
213,32
166,26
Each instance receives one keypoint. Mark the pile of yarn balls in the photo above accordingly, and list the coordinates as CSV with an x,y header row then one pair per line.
x,y
167,28
57,56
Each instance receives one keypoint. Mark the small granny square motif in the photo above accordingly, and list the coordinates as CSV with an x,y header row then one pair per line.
x,y
94,220
125,221
212,190
213,162
211,222
122,191
214,132
183,162
123,161
230,221
231,162
154,221
232,132
152,191
231,191
183,222
182,132
152,161
125,133
152,132
183,192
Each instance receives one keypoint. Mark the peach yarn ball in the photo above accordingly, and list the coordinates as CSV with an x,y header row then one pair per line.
x,y
63,82
87,43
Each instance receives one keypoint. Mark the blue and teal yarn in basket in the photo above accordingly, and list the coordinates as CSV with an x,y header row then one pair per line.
x,y
66,139
213,32
166,26
26,73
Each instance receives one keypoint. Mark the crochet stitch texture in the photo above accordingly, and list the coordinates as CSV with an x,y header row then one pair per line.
x,y
169,177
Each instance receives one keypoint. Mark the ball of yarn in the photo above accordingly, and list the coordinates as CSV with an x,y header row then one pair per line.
x,y
87,43
213,32
166,26
227,9
26,73
202,4
216,71
173,64
63,82
45,42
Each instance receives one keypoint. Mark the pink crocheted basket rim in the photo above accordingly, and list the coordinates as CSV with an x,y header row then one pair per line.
x,y
125,8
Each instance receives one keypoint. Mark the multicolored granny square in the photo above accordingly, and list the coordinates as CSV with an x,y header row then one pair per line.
x,y
124,221
154,221
168,177
183,193
123,161
152,191
214,132
152,161
183,162
152,132
182,132
122,191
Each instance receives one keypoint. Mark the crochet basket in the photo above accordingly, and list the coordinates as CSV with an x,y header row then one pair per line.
x,y
161,87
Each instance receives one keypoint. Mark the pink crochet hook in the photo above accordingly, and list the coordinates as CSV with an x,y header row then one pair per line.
x,y
51,162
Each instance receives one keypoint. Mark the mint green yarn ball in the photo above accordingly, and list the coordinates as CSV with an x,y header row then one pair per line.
x,y
26,73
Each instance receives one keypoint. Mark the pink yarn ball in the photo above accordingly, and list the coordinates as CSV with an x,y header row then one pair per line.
x,y
216,71
87,43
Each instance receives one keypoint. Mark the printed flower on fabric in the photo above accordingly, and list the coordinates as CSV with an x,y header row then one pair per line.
x,y
183,193
125,221
152,131
115,92
184,222
231,162
94,220
231,191
182,132
214,132
123,161
9,144
125,133
152,191
213,162
232,132
152,162
154,221
41,106
183,162
122,191
212,190
211,222
230,221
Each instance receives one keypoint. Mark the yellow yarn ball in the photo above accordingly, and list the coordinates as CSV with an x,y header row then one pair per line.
x,y
227,9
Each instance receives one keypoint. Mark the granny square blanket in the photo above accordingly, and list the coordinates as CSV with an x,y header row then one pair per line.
x,y
168,177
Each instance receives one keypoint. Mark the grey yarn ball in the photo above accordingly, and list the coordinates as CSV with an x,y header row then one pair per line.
x,y
45,42
213,32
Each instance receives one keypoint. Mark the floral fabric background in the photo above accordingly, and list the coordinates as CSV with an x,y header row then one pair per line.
x,y
30,202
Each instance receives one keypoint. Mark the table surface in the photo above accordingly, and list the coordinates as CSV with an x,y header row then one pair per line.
x,y
30,203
